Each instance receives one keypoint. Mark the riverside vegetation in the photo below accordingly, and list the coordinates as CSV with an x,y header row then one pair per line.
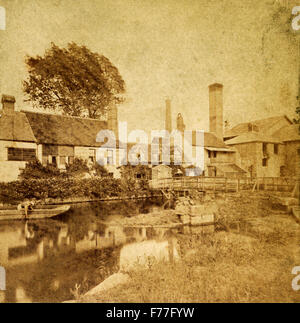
x,y
79,180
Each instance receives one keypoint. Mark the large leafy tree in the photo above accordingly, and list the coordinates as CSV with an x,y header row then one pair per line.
x,y
74,81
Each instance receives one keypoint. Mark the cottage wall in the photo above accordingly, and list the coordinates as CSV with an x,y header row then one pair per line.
x,y
10,169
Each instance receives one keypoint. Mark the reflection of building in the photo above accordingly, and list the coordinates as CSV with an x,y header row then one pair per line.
x,y
41,257
25,245
112,236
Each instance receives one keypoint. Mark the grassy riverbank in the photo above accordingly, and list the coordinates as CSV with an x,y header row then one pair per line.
x,y
249,259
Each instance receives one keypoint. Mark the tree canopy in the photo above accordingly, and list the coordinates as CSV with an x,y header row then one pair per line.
x,y
74,81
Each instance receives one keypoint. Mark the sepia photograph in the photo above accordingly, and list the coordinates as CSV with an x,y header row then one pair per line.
x,y
149,154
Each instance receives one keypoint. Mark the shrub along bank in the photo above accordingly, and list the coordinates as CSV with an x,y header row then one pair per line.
x,y
96,187
44,182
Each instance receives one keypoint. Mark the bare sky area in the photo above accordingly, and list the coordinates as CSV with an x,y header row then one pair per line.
x,y
166,48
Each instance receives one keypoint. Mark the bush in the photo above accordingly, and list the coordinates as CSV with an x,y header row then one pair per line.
x,y
99,170
78,167
65,187
34,169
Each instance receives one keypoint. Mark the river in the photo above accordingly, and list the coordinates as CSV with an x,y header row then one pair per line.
x,y
44,260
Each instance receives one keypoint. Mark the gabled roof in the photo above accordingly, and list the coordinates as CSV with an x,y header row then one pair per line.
x,y
288,133
267,126
15,126
210,140
252,137
65,130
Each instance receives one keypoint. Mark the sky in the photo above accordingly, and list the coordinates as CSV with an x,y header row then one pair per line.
x,y
166,48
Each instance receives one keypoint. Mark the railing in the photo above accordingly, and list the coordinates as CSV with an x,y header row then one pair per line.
x,y
204,183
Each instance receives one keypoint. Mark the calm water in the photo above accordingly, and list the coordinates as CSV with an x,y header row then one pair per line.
x,y
45,259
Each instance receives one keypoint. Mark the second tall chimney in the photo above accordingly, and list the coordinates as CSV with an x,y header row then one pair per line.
x,y
168,121
216,109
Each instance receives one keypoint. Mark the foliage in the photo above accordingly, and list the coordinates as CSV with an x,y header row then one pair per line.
x,y
78,167
136,177
297,121
99,170
73,80
67,187
35,170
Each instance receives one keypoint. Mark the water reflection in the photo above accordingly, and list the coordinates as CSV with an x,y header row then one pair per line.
x,y
45,259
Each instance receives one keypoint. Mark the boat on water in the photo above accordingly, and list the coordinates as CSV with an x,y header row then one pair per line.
x,y
41,212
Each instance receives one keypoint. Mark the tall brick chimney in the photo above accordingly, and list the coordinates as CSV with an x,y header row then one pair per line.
x,y
8,104
168,121
216,109
112,119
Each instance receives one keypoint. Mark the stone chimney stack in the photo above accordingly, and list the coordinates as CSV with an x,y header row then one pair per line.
x,y
216,109
168,121
180,123
8,104
112,119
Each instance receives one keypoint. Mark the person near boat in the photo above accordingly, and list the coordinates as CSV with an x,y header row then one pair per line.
x,y
27,206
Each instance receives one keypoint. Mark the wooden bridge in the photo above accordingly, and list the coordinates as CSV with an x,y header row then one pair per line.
x,y
223,184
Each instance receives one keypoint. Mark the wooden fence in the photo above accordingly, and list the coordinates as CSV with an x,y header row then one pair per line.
x,y
204,183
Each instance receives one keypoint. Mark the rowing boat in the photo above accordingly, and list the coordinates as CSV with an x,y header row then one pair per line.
x,y
37,213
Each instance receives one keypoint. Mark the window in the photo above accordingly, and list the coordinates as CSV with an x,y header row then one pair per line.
x,y
276,149
265,162
53,160
212,154
264,148
21,154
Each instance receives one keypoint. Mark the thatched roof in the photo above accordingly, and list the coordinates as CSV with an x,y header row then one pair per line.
x,y
65,130
15,127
